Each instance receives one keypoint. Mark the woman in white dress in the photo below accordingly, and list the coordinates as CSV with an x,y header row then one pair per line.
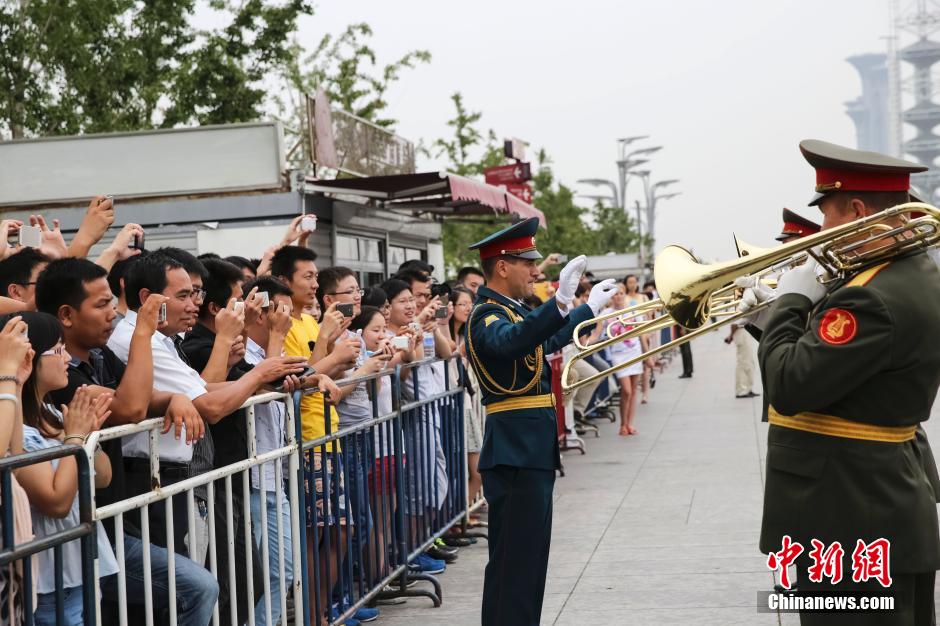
x,y
620,352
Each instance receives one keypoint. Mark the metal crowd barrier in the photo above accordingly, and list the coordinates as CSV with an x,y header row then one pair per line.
x,y
85,532
405,480
420,451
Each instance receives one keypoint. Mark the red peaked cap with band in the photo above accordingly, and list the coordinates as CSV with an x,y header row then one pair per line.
x,y
843,169
517,240
795,225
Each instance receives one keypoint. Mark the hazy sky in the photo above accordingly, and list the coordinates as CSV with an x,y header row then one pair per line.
x,y
727,87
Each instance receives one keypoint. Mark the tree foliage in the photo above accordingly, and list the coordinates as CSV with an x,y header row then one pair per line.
x,y
112,65
348,70
572,229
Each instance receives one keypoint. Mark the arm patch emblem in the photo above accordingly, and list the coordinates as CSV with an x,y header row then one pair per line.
x,y
838,327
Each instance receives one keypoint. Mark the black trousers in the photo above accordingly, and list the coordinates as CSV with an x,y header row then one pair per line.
x,y
520,534
137,480
686,351
913,601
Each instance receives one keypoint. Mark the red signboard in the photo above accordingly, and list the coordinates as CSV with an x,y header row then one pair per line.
x,y
504,174
523,191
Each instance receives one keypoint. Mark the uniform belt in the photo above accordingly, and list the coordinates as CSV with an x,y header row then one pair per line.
x,y
544,401
840,427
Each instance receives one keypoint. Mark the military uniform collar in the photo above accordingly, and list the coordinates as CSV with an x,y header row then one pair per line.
x,y
486,292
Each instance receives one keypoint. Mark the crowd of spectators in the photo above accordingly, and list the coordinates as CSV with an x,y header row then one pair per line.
x,y
140,333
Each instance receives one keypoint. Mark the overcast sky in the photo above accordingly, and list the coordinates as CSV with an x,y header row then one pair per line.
x,y
727,87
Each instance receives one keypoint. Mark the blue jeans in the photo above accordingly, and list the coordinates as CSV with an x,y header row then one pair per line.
x,y
274,566
196,588
73,608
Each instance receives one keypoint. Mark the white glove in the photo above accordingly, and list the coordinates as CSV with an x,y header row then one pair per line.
x,y
601,294
568,280
803,280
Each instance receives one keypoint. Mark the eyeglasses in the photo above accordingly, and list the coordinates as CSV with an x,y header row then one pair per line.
x,y
25,284
198,294
57,351
348,292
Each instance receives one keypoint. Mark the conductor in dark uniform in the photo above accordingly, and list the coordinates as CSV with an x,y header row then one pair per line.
x,y
850,371
507,344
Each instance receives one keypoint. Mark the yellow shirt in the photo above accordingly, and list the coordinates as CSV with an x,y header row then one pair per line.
x,y
299,342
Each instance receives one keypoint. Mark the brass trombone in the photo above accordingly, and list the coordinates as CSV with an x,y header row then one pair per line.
x,y
688,288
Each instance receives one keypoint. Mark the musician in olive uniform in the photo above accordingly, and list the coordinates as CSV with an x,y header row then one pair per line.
x,y
850,371
507,344
795,226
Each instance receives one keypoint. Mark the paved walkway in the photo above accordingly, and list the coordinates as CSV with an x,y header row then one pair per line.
x,y
658,528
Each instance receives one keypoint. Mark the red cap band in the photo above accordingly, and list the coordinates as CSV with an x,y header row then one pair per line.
x,y
795,228
855,180
507,246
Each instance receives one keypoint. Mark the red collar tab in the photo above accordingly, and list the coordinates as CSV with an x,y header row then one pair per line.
x,y
516,245
828,179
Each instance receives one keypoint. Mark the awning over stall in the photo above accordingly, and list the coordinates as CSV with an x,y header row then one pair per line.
x,y
439,193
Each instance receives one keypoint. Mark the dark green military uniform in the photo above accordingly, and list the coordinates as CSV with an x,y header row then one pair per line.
x,y
507,344
848,381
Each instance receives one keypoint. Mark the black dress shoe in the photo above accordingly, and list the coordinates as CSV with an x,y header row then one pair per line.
x,y
686,376
436,552
749,394
458,542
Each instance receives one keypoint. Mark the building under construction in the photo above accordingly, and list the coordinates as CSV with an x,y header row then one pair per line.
x,y
898,111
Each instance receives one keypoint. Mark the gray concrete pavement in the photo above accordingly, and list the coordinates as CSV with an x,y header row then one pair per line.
x,y
657,528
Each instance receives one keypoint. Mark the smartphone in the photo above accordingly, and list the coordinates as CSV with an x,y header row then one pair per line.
x,y
161,316
562,258
308,223
239,306
308,370
400,342
137,243
111,198
265,299
346,309
31,236
440,313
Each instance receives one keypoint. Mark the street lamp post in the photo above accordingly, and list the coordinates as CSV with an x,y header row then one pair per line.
x,y
626,162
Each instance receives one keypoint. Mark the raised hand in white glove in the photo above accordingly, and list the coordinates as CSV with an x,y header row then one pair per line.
x,y
803,280
601,294
568,280
755,293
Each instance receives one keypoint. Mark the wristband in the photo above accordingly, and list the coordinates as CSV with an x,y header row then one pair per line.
x,y
83,438
9,396
9,378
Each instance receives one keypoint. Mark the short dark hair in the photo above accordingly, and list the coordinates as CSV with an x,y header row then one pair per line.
x,y
190,263
242,263
274,286
205,256
394,286
328,279
221,275
283,263
148,273
374,296
365,316
16,269
416,265
119,271
413,276
878,200
467,271
63,282
489,264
